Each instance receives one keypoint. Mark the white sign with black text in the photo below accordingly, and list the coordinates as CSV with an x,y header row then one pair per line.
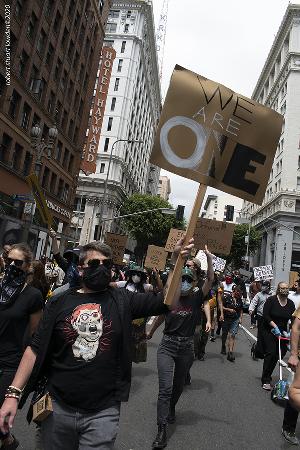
x,y
263,273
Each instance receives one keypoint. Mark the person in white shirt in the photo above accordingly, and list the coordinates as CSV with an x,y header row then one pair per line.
x,y
228,284
294,295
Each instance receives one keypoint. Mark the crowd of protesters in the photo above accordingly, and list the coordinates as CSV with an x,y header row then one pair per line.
x,y
77,318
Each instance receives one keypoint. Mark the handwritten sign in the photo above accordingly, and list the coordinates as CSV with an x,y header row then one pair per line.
x,y
40,199
263,273
217,235
218,263
173,238
117,243
212,135
156,257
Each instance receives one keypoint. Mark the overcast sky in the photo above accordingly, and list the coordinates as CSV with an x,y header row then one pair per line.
x,y
226,41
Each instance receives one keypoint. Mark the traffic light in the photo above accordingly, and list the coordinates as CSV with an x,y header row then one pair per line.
x,y
180,213
229,213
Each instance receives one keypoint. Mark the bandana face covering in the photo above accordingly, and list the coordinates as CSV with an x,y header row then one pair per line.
x,y
11,285
283,291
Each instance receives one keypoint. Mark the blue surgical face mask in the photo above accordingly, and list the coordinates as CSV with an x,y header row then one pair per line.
x,y
186,287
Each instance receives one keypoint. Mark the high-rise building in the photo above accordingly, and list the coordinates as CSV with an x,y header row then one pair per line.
x,y
47,76
164,187
216,207
131,114
278,218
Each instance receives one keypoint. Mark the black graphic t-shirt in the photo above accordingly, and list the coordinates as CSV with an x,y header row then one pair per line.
x,y
14,321
85,353
235,304
182,320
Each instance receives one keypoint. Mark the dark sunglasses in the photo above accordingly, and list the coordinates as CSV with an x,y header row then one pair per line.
x,y
96,263
187,278
17,262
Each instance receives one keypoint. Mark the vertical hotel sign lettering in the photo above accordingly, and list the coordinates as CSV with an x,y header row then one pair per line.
x,y
88,164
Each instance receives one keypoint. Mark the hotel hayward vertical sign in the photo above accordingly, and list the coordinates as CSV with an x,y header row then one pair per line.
x,y
90,150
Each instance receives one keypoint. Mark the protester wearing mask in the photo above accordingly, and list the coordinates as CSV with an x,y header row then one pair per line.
x,y
20,309
82,347
68,262
257,305
294,295
278,310
136,282
175,353
227,284
233,314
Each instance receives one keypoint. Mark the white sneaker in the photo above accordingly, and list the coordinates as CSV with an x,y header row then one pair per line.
x,y
267,387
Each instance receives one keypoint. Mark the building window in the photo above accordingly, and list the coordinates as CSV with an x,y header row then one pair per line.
x,y
117,82
71,164
79,204
66,158
100,6
102,168
58,151
40,46
111,27
126,28
113,104
53,182
109,43
3,86
128,14
50,54
36,120
23,64
19,9
109,124
106,144
120,64
64,119
57,69
5,147
45,179
49,9
113,14
51,102
25,116
71,129
17,156
70,90
123,46
14,104
71,50
57,22
60,190
27,164
32,25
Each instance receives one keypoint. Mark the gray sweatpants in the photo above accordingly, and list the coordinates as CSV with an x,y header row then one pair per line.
x,y
66,429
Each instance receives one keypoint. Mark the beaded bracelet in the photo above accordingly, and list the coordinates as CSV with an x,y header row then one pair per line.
x,y
11,387
16,396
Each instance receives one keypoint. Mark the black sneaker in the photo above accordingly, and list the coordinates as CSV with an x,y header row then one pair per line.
x,y
161,438
212,339
230,357
223,351
290,437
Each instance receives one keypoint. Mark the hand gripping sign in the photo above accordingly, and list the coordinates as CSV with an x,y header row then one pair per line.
x,y
212,135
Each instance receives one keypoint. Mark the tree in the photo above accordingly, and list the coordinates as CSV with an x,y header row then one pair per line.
x,y
239,246
149,228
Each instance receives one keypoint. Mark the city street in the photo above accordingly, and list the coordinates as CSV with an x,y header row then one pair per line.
x,y
224,408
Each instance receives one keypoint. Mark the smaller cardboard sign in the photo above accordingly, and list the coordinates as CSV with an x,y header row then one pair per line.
x,y
245,273
263,273
117,243
218,263
173,238
294,276
40,200
156,257
217,235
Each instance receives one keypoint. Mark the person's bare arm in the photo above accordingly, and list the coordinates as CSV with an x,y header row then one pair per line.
x,y
295,336
53,235
34,321
220,305
156,324
210,273
206,308
9,408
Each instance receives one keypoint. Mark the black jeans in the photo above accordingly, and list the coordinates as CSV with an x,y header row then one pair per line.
x,y
271,347
6,377
290,418
174,358
200,338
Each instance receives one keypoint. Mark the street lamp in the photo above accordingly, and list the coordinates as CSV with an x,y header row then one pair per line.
x,y
130,141
39,145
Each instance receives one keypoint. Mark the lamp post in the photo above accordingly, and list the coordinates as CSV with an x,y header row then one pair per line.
x,y
99,234
40,146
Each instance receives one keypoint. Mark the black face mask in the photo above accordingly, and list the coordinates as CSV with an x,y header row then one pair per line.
x,y
96,278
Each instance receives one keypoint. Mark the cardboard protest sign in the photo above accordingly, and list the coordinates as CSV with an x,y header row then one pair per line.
x,y
117,242
217,235
263,273
39,198
294,276
156,257
173,238
212,135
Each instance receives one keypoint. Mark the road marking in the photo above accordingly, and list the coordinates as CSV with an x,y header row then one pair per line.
x,y
248,332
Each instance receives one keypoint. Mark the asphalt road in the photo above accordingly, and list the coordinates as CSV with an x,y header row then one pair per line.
x,y
224,408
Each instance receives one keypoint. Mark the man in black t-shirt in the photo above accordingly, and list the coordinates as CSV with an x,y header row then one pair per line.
x,y
83,349
176,351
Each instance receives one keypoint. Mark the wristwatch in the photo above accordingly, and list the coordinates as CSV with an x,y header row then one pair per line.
x,y
171,265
